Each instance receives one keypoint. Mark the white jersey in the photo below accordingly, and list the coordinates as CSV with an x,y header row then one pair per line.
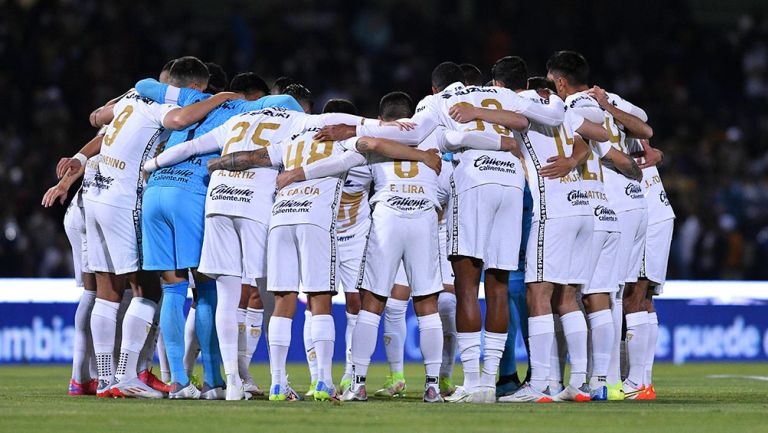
x,y
444,189
313,201
131,138
477,167
623,193
249,193
90,177
354,209
552,198
409,187
659,208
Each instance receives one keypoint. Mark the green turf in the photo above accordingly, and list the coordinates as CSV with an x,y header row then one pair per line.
x,y
34,399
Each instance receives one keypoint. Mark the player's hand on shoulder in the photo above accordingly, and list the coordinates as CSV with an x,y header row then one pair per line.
x,y
558,167
335,133
433,160
600,95
288,177
463,113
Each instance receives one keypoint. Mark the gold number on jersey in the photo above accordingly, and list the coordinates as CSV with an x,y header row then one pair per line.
x,y
588,175
559,140
487,103
349,208
413,169
256,139
242,126
117,124
295,161
479,125
314,151
615,139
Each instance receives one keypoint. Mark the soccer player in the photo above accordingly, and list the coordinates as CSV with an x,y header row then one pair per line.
x,y
487,189
570,72
250,320
174,234
113,211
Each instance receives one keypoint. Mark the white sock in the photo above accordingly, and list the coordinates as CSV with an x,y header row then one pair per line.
x,y
637,342
125,302
469,352
279,342
650,351
494,349
446,307
104,328
575,330
351,322
162,356
364,342
147,354
242,344
228,290
136,326
555,375
324,337
601,325
614,366
191,346
394,333
431,342
254,320
541,335
80,355
309,346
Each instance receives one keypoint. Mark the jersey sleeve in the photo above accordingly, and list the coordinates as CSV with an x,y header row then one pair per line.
x,y
334,165
157,91
275,152
574,119
284,101
320,120
628,107
455,140
587,108
549,114
206,143
160,111
603,148
424,126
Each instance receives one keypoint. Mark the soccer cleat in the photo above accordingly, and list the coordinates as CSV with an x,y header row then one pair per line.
x,y
250,387
599,393
189,392
615,392
527,394
460,395
235,389
650,393
393,387
571,393
432,394
153,381
632,391
87,388
345,385
195,380
104,389
311,391
217,393
508,388
355,393
484,394
446,386
324,392
554,388
276,393
135,388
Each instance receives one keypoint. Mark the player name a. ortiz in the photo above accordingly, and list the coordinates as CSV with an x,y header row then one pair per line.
x,y
486,162
237,174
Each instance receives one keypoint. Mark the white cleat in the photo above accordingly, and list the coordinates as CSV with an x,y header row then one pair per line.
x,y
460,395
355,393
432,394
571,393
235,389
526,394
251,387
632,391
218,393
189,392
135,388
484,394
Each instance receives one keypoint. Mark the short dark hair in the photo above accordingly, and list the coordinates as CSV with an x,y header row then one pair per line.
x,y
218,81
248,83
299,93
510,70
446,73
281,83
338,105
472,75
535,83
168,65
187,70
395,105
571,65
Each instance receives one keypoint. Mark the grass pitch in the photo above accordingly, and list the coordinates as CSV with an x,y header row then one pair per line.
x,y
33,399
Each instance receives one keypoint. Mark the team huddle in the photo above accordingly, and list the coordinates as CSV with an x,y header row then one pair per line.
x,y
543,189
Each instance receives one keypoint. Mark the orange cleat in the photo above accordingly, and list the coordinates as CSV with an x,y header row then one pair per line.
x,y
650,393
154,382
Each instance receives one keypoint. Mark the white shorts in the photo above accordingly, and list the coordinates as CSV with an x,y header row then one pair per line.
x,y
558,250
351,244
74,226
396,238
602,263
301,254
234,246
654,265
446,270
114,238
485,222
632,225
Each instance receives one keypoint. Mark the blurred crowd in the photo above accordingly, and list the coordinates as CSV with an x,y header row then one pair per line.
x,y
703,81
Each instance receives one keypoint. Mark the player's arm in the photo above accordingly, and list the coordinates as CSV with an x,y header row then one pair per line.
x,y
651,155
410,133
464,113
180,118
455,140
560,166
206,143
61,189
75,163
635,125
624,163
93,117
239,161
332,166
394,150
